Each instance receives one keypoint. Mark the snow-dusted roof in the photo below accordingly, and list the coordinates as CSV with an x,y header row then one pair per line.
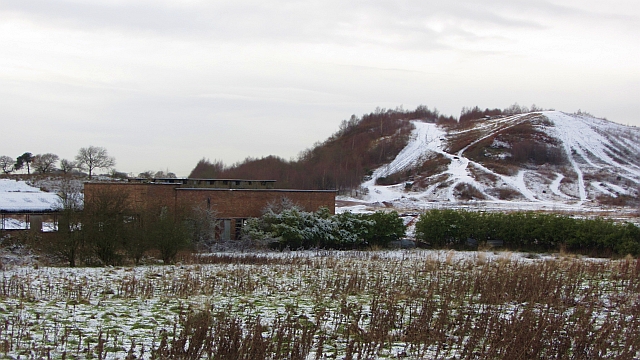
x,y
18,196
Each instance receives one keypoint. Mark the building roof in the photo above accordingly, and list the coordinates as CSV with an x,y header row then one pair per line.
x,y
20,197
190,180
209,183
266,190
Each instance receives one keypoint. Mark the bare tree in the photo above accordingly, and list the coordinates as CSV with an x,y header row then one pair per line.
x,y
94,157
6,164
45,163
68,241
164,175
146,175
70,195
115,174
67,166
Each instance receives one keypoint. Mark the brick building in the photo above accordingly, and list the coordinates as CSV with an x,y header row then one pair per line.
x,y
233,200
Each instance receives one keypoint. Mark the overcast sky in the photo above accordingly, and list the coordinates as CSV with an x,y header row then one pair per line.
x,y
164,83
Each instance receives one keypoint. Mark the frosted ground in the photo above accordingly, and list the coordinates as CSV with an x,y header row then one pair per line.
x,y
395,300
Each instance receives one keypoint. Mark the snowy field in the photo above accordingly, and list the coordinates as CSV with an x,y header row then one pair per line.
x,y
321,304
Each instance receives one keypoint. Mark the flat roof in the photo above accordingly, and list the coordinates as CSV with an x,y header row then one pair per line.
x,y
263,190
194,179
19,197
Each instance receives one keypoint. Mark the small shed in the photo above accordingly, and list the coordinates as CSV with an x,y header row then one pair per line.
x,y
24,207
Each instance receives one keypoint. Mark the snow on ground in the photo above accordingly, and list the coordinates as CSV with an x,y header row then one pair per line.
x,y
591,144
555,186
63,312
427,140
426,137
586,137
16,196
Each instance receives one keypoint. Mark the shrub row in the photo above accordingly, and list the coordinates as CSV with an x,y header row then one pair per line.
x,y
528,231
297,229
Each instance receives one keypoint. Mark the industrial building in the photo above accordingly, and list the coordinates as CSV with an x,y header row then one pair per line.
x,y
233,200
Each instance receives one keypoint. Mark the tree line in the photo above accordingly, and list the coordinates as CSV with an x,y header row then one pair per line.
x,y
88,159
360,145
473,113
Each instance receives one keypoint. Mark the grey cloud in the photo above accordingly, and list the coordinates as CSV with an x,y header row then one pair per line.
x,y
400,24
289,21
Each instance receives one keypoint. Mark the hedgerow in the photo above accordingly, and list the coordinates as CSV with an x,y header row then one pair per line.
x,y
296,229
528,231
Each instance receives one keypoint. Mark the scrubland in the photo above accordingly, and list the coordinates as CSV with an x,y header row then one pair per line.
x,y
314,305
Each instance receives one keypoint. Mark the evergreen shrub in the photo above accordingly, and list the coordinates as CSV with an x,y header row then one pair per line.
x,y
296,229
528,231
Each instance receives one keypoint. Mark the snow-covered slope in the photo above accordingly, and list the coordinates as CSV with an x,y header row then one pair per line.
x,y
585,162
17,196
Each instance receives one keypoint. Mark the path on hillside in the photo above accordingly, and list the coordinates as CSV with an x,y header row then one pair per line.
x,y
427,138
516,182
591,145
555,186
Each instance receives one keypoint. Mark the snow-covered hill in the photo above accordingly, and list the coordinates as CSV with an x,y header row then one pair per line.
x,y
539,160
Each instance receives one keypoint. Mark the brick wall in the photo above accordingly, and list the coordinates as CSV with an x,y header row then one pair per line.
x,y
141,196
250,203
229,203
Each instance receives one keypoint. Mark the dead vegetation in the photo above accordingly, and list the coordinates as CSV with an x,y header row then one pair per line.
x,y
506,193
482,175
436,164
424,182
359,305
617,201
467,192
523,143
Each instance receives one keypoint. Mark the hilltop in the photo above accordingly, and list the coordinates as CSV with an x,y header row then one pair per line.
x,y
359,146
546,159
413,159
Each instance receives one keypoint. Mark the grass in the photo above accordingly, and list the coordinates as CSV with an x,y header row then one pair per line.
x,y
312,305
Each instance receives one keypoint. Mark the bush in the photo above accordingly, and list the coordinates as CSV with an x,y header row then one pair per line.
x,y
385,228
445,228
103,225
529,231
297,229
168,234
